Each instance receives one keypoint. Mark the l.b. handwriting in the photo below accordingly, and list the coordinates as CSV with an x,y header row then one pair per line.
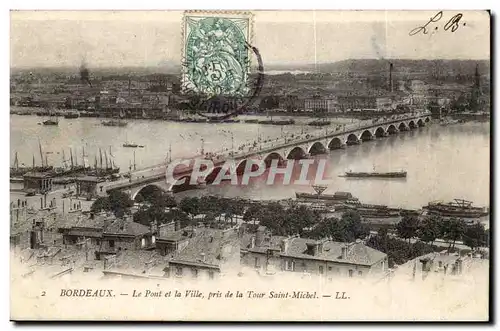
x,y
452,24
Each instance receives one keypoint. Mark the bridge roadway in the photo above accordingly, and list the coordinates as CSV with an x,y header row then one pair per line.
x,y
156,174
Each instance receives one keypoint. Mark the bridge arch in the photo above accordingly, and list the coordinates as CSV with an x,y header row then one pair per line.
x,y
391,129
272,156
402,126
335,143
296,153
427,119
412,125
420,122
316,148
133,194
176,187
352,139
365,135
380,132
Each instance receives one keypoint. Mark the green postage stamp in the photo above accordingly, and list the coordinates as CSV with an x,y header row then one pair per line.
x,y
216,56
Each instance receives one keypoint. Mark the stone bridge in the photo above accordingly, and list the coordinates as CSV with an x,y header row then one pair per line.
x,y
294,147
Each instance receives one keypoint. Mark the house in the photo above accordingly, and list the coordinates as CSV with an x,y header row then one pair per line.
x,y
171,238
443,262
324,257
209,253
107,235
125,234
87,186
38,182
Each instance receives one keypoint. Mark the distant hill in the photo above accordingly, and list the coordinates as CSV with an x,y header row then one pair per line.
x,y
368,66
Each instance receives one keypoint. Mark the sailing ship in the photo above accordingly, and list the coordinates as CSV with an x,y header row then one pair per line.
x,y
104,169
18,171
73,168
456,208
116,122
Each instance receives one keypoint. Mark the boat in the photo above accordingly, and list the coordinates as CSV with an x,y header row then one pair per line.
x,y
277,122
50,122
319,123
448,121
73,114
392,174
336,197
252,121
130,145
369,210
114,123
456,208
17,171
53,120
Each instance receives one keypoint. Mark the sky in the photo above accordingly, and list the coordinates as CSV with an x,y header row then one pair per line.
x,y
151,38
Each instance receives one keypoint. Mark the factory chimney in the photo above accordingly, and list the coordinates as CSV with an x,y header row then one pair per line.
x,y
391,89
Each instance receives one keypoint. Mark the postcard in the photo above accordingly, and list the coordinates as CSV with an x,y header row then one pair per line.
x,y
250,165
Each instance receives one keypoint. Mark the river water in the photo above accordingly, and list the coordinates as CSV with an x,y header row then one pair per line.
x,y
443,162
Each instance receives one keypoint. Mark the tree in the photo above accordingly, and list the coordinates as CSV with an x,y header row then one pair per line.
x,y
190,206
429,229
475,236
119,203
453,230
407,227
100,204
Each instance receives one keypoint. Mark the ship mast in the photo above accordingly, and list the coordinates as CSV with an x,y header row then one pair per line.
x,y
41,153
33,162
106,159
134,160
100,158
16,162
71,157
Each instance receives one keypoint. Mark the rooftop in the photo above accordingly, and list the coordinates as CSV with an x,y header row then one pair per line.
x,y
206,248
357,252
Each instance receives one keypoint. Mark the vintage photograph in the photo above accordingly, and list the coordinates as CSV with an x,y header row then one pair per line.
x,y
250,165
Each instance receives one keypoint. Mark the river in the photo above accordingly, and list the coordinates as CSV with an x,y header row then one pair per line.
x,y
443,162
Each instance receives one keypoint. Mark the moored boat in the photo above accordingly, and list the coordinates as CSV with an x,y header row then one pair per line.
x,y
392,174
114,123
456,208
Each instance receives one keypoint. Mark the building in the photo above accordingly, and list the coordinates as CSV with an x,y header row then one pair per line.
x,y
326,258
209,253
38,182
125,234
320,105
353,102
171,238
105,234
87,186
291,103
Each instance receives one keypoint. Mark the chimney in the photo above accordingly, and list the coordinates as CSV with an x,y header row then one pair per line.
x,y
284,245
344,253
202,257
390,77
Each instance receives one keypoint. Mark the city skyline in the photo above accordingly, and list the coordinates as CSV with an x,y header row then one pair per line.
x,y
149,39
